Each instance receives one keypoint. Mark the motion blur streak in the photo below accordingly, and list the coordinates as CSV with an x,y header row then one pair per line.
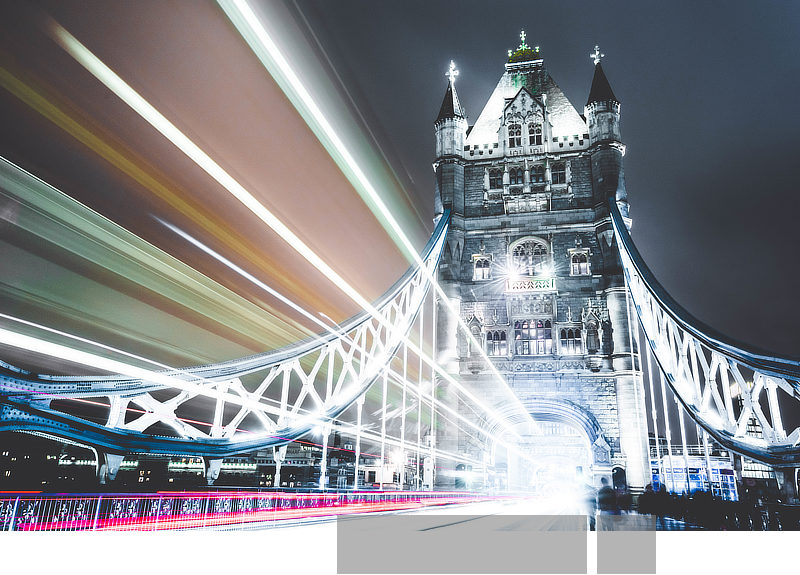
x,y
396,378
114,83
255,34
252,30
128,163
36,345
168,510
53,217
84,340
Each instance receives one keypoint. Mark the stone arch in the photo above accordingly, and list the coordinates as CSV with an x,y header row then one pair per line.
x,y
564,411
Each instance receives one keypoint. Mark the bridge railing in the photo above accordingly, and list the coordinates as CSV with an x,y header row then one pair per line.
x,y
199,510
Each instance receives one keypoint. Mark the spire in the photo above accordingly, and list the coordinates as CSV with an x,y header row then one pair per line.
x,y
524,53
451,107
601,90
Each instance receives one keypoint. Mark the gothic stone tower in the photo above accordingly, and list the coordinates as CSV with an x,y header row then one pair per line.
x,y
531,263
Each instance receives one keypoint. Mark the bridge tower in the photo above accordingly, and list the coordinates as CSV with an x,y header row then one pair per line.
x,y
530,262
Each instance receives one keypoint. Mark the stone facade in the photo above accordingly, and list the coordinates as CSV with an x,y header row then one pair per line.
x,y
531,263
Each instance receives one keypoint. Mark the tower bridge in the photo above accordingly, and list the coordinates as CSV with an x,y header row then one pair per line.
x,y
522,348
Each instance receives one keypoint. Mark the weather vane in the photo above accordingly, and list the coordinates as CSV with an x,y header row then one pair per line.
x,y
452,72
596,55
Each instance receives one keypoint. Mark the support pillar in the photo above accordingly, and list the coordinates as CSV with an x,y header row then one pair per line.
x,y
787,483
383,428
323,464
108,470
631,409
359,409
403,421
279,453
213,467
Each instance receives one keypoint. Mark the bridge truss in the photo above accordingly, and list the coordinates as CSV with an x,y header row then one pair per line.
x,y
721,385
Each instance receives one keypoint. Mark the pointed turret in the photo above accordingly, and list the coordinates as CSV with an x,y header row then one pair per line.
x,y
601,90
451,106
451,131
602,115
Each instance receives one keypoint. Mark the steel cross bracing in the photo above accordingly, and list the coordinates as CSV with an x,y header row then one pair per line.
x,y
271,398
708,373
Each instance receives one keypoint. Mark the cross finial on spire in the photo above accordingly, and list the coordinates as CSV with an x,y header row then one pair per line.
x,y
452,72
522,37
596,55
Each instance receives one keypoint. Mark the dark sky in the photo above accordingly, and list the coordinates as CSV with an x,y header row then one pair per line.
x,y
709,99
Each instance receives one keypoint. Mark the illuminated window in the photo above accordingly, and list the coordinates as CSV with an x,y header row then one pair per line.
x,y
579,264
537,175
482,270
514,136
533,337
495,179
515,177
535,134
530,257
559,174
496,344
571,342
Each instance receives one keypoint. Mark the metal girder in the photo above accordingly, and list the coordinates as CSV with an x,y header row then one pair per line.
x,y
282,394
706,371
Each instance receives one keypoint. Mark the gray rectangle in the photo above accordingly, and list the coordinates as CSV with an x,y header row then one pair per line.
x,y
626,544
461,544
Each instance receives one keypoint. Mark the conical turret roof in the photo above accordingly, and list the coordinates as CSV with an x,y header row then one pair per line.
x,y
601,90
451,106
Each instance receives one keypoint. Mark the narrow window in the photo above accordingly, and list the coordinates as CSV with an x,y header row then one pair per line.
x,y
537,175
515,177
559,174
514,136
482,269
535,134
579,264
495,179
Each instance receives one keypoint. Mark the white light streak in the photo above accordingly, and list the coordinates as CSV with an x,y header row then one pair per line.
x,y
133,99
254,33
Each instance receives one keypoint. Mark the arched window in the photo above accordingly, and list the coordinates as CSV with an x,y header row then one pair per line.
x,y
559,174
495,179
579,264
514,136
530,257
482,270
496,344
537,175
515,177
571,342
533,337
535,134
